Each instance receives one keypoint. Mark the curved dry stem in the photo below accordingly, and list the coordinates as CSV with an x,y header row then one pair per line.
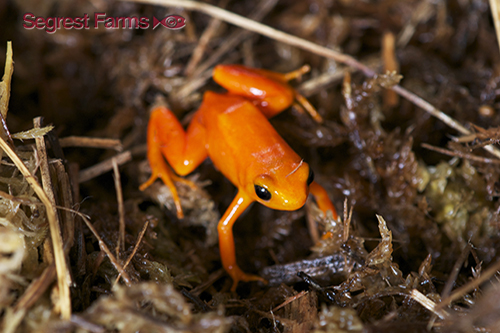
x,y
63,276
304,44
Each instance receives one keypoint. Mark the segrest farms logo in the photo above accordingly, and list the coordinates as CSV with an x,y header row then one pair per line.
x,y
100,20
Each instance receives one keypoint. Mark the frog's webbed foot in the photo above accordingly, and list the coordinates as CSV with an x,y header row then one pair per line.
x,y
160,169
238,275
185,181
301,102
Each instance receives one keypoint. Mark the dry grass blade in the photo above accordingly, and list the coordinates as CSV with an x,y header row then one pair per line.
x,y
5,84
49,191
428,304
32,133
5,91
420,102
67,201
496,18
55,231
262,29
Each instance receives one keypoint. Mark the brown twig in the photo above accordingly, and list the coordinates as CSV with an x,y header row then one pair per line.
x,y
36,288
210,281
390,65
347,221
199,50
290,300
470,157
120,246
201,73
105,249
134,251
103,167
459,292
67,201
80,141
454,272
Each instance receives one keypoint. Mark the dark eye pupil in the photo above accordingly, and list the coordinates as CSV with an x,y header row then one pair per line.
x,y
262,193
310,179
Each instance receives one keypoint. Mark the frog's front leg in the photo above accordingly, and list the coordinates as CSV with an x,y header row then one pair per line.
x,y
226,240
183,150
322,199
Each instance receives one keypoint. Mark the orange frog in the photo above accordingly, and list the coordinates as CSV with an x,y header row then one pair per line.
x,y
233,130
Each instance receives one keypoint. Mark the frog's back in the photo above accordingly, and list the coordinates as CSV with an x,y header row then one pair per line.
x,y
239,137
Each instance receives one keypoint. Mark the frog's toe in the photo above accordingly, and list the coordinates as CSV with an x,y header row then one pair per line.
x,y
241,276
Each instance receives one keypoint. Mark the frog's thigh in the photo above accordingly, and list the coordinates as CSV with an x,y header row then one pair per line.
x,y
184,150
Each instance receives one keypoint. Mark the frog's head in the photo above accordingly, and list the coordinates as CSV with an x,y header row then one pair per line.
x,y
286,188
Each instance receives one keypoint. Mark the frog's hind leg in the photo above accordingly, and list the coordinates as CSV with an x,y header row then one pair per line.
x,y
269,90
301,103
184,150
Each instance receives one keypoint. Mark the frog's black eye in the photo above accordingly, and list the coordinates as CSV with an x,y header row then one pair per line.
x,y
262,193
310,179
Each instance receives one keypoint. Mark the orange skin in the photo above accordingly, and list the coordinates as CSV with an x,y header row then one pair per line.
x,y
233,130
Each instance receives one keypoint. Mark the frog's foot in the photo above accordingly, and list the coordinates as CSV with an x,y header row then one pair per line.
x,y
161,170
296,73
238,275
302,102
185,181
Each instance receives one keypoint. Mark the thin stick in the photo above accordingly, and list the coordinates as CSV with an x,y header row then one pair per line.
x,y
36,288
426,106
55,232
210,281
391,64
262,29
199,50
347,221
134,251
202,72
67,201
104,166
105,249
454,272
120,246
459,292
290,300
301,43
467,156
81,141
